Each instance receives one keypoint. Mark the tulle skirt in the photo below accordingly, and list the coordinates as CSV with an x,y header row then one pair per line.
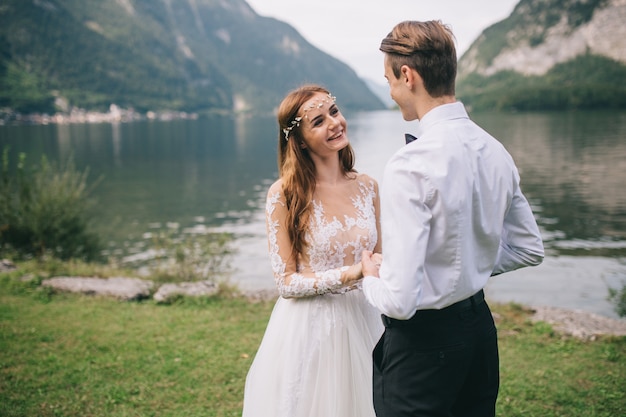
x,y
315,359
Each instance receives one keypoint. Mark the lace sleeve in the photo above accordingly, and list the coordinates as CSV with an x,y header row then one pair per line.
x,y
290,282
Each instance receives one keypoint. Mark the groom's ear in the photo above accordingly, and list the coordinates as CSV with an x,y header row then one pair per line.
x,y
409,76
413,80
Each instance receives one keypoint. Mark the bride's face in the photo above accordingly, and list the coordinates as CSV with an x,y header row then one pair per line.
x,y
323,127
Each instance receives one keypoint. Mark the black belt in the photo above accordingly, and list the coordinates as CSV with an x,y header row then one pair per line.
x,y
420,315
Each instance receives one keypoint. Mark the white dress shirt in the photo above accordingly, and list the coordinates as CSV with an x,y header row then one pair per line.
x,y
452,214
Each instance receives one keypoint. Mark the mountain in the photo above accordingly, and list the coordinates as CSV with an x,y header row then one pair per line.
x,y
549,54
155,55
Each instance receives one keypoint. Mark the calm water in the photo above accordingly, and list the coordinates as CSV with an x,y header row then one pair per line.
x,y
213,174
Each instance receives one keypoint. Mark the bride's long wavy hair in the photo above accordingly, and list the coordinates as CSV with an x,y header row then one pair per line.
x,y
296,168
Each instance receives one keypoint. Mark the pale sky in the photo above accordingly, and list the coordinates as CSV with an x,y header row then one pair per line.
x,y
351,30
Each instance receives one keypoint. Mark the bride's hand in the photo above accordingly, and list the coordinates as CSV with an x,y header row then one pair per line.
x,y
352,275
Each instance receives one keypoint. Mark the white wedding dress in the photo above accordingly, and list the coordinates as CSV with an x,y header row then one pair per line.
x,y
315,359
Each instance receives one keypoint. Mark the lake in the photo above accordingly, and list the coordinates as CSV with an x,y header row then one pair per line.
x,y
212,174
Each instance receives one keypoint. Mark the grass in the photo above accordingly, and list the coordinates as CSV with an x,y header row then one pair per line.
x,y
71,355
545,374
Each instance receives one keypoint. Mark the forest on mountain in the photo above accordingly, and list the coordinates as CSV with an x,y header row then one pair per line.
x,y
152,55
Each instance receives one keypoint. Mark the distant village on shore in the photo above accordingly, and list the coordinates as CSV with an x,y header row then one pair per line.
x,y
115,114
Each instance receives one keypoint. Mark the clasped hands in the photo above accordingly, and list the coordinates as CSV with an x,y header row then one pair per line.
x,y
369,266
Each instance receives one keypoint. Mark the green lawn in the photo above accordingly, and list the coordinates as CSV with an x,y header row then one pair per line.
x,y
70,355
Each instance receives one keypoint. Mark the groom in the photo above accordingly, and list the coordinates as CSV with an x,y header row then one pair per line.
x,y
453,214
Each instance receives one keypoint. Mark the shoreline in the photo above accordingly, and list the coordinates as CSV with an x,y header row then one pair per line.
x,y
578,323
568,322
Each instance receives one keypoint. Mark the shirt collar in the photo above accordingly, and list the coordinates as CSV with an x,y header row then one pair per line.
x,y
441,113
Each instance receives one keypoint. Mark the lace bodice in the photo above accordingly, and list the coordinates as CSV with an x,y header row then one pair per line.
x,y
343,223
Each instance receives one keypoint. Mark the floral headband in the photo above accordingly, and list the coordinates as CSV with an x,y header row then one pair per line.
x,y
314,105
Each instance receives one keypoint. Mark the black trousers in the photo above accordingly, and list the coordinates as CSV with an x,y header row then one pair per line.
x,y
441,363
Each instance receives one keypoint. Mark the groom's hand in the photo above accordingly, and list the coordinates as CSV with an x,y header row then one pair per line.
x,y
371,263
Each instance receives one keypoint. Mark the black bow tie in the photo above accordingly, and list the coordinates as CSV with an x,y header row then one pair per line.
x,y
409,138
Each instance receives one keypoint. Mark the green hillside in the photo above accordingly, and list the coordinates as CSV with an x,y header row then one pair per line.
x,y
586,82
199,56
548,55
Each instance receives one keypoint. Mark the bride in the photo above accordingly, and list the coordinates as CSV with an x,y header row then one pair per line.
x,y
315,357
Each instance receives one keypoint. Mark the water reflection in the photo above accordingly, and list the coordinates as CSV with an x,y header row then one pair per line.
x,y
573,165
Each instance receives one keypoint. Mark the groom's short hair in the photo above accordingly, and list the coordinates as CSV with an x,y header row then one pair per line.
x,y
428,48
